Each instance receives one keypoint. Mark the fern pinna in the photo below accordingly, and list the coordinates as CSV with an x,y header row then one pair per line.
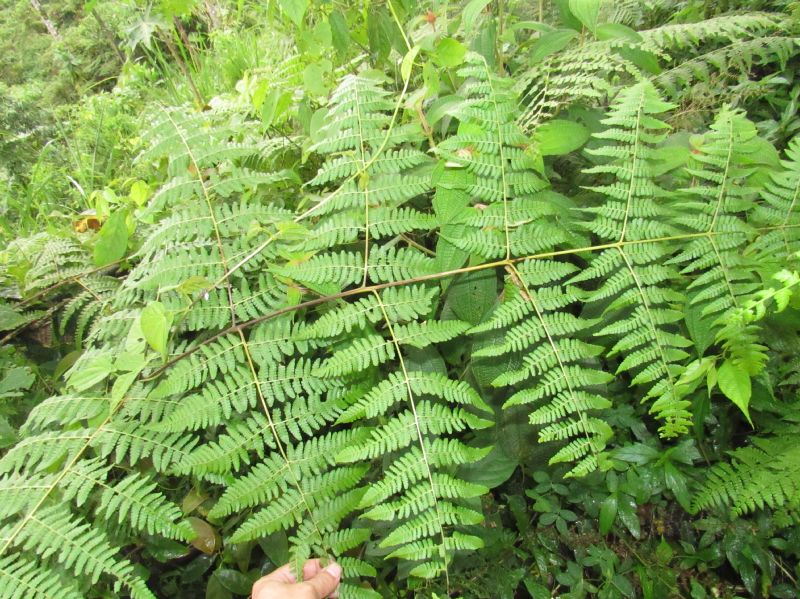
x,y
309,371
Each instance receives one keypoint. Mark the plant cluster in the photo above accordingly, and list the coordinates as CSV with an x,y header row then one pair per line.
x,y
491,300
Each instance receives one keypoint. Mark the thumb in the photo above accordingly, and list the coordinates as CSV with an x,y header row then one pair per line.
x,y
326,581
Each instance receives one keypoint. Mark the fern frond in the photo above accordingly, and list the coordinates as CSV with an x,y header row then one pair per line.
x,y
731,28
761,476
546,336
269,478
372,167
581,75
21,578
635,287
53,533
632,210
718,205
779,210
57,260
734,63
414,431
134,499
63,410
401,303
497,170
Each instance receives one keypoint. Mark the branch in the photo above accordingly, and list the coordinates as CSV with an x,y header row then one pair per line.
x,y
432,277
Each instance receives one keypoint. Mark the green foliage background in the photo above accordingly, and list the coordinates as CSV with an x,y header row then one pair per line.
x,y
481,299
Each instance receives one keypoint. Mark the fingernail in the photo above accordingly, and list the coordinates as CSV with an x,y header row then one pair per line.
x,y
334,570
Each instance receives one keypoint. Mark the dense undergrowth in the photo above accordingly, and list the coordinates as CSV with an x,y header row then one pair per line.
x,y
482,299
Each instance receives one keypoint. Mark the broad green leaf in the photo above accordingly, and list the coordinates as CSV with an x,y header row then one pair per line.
x,y
112,239
551,42
586,11
431,79
315,78
408,63
176,8
626,509
471,12
294,9
617,31
215,590
442,107
608,513
533,25
10,318
558,137
664,552
8,436
17,378
485,43
645,60
194,284
735,383
120,388
275,547
155,323
163,549
668,158
87,374
340,34
700,328
139,193
195,569
763,152
382,33
130,361
676,482
206,538
449,53
66,363
234,581
316,41
491,471
275,105
637,453
472,295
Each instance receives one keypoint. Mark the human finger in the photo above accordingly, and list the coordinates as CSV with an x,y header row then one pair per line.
x,y
283,575
311,568
325,582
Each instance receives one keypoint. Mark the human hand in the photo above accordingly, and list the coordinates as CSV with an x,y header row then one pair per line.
x,y
318,582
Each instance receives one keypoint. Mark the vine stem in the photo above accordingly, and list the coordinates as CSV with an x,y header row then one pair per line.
x,y
435,276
